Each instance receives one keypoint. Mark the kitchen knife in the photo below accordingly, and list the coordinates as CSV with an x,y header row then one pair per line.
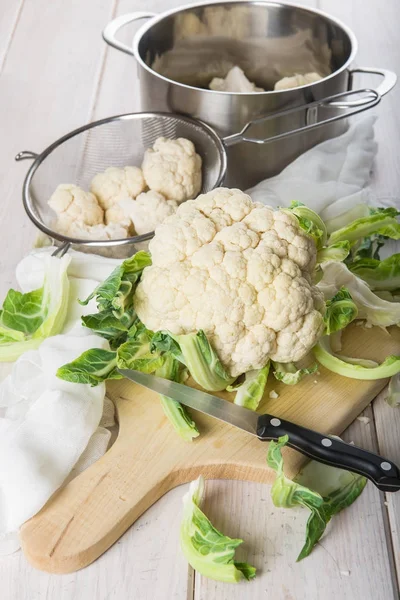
x,y
322,448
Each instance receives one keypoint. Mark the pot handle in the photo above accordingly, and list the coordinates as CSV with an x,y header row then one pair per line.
x,y
389,81
389,78
367,98
110,31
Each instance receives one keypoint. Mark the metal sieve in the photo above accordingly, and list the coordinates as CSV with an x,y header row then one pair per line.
x,y
122,140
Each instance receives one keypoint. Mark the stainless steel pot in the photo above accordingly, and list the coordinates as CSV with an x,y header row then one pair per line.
x,y
180,51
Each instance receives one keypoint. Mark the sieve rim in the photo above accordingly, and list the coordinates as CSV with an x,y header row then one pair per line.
x,y
29,205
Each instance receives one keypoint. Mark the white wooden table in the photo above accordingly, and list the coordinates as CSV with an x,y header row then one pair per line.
x,y
56,74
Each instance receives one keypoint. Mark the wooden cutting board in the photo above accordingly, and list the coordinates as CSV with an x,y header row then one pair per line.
x,y
83,519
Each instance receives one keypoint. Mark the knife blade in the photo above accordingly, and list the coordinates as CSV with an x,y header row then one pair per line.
x,y
326,449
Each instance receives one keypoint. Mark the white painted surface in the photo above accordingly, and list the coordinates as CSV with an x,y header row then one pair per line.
x,y
56,74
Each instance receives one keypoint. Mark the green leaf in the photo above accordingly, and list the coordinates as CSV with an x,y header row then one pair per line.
x,y
36,315
380,222
393,392
177,414
356,369
310,222
337,252
251,391
368,247
107,325
179,418
196,353
324,490
378,274
375,310
9,335
206,549
344,219
135,354
112,292
162,341
290,374
340,311
23,312
93,367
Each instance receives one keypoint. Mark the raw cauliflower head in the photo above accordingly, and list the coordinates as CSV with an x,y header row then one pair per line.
x,y
114,184
148,210
173,169
241,272
71,203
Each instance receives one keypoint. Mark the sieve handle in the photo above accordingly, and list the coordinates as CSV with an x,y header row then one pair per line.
x,y
110,31
367,99
26,155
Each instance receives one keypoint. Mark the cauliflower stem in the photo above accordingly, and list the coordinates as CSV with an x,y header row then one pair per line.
x,y
195,351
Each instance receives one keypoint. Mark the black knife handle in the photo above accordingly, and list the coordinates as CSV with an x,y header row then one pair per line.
x,y
332,451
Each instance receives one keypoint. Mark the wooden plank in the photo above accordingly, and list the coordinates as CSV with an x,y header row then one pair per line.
x,y
119,87
388,430
350,562
381,49
145,564
9,16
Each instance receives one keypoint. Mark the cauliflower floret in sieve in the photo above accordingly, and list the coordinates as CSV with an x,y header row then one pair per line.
x,y
114,184
71,203
78,230
148,210
173,168
240,271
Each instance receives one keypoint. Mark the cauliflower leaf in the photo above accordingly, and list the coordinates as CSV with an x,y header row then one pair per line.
x,y
380,221
355,368
206,549
27,319
340,311
393,391
378,274
196,353
372,308
290,374
324,490
249,393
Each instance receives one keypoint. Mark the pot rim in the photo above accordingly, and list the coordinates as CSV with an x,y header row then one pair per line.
x,y
156,19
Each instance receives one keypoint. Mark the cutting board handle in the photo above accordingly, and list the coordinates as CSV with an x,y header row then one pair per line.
x,y
84,518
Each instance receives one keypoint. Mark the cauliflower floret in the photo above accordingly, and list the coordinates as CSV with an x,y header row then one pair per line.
x,y
296,80
148,210
116,215
71,203
234,81
173,169
115,184
79,230
240,271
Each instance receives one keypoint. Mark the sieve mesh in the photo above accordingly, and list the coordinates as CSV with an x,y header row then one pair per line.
x,y
114,142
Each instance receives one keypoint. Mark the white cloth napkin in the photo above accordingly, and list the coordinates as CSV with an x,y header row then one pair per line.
x,y
331,178
50,429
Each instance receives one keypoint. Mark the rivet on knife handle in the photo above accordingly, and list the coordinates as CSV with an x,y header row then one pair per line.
x,y
332,451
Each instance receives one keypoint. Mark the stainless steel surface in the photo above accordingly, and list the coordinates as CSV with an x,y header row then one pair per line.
x,y
111,29
180,51
206,403
117,141
367,99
